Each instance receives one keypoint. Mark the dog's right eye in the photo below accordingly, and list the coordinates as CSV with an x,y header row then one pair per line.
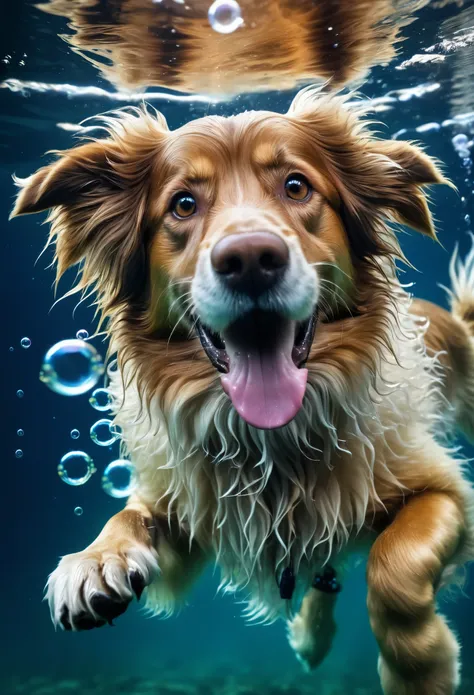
x,y
183,205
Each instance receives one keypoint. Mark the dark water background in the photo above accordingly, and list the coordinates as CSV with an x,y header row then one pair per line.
x,y
208,644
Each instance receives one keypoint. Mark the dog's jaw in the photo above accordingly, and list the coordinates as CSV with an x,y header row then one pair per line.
x,y
260,344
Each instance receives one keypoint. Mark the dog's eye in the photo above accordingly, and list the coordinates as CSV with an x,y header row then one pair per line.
x,y
297,187
183,205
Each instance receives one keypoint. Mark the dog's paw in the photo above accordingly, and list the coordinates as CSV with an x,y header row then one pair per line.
x,y
91,588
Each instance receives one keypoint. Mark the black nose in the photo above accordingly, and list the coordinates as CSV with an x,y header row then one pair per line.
x,y
250,262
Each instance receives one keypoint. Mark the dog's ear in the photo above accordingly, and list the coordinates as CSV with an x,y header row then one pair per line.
x,y
401,172
98,194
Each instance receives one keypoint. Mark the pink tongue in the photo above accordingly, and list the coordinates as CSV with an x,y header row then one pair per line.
x,y
266,388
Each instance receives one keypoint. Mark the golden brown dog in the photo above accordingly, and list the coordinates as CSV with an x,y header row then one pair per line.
x,y
278,391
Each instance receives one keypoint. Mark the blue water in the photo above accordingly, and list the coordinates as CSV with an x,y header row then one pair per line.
x,y
208,648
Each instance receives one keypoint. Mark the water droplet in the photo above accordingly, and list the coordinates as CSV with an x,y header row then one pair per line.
x,y
75,434
20,393
76,468
225,16
18,453
71,367
82,334
101,399
78,511
102,432
25,343
20,433
119,478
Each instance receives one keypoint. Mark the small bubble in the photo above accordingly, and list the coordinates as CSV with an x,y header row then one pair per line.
x,y
118,479
467,219
71,367
20,393
18,453
20,433
76,468
82,334
101,399
25,343
21,62
460,141
330,28
335,45
78,511
225,16
75,434
102,432
11,348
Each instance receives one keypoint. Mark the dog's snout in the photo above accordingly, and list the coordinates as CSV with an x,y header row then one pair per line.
x,y
250,262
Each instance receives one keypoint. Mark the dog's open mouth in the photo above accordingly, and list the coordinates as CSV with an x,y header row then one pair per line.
x,y
261,357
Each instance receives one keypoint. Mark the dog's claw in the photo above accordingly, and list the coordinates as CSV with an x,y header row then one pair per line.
x,y
108,607
137,583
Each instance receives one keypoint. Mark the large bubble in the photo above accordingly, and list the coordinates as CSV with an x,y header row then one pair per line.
x,y
118,479
71,367
76,468
225,16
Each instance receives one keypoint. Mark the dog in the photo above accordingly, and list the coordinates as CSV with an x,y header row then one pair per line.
x,y
284,400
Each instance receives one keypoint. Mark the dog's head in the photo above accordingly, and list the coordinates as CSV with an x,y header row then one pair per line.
x,y
259,233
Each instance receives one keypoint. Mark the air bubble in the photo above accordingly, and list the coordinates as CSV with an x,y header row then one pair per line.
x,y
78,511
20,393
71,367
119,478
20,433
460,141
25,343
104,433
76,468
75,434
19,453
225,16
101,399
82,334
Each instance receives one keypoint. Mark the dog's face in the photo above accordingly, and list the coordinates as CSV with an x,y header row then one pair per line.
x,y
248,232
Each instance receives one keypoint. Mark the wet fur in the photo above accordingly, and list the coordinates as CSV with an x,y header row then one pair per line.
x,y
386,387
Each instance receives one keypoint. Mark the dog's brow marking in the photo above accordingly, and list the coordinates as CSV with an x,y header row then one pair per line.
x,y
201,170
267,156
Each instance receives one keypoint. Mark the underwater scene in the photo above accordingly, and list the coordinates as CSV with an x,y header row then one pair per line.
x,y
407,66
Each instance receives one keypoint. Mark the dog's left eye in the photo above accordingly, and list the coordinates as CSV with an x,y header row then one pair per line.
x,y
297,187
183,205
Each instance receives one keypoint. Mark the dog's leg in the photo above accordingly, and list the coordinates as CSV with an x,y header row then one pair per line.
x,y
312,630
419,653
90,588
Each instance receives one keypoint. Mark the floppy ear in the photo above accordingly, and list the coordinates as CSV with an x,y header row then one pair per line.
x,y
98,195
403,172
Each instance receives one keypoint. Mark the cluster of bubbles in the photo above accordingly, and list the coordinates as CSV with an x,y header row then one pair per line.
x,y
225,16
104,432
25,343
463,145
71,367
76,468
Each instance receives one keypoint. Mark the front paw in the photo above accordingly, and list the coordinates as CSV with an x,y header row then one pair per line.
x,y
91,588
